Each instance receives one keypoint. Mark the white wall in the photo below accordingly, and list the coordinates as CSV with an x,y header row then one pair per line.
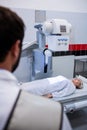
x,y
60,5
63,65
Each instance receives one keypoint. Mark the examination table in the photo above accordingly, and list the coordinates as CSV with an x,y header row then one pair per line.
x,y
73,102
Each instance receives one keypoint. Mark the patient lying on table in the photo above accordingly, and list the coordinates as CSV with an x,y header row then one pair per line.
x,y
53,87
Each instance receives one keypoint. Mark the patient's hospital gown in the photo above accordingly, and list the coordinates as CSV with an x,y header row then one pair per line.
x,y
58,86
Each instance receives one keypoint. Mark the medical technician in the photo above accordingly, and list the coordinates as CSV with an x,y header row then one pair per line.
x,y
20,110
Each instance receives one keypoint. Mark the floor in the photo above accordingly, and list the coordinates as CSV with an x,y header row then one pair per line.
x,y
78,119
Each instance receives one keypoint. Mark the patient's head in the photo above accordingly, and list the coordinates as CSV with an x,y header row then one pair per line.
x,y
77,82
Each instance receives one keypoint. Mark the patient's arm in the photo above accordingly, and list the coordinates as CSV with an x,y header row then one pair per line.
x,y
48,95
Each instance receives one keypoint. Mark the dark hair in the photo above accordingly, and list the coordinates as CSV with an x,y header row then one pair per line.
x,y
11,30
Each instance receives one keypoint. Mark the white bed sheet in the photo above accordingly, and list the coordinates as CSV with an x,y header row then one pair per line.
x,y
77,100
79,93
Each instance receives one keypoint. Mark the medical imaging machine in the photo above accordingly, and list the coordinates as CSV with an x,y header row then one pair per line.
x,y
53,35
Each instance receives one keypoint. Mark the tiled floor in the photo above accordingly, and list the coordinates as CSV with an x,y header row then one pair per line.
x,y
78,119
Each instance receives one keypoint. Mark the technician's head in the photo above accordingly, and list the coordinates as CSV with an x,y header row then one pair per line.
x,y
11,37
77,82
